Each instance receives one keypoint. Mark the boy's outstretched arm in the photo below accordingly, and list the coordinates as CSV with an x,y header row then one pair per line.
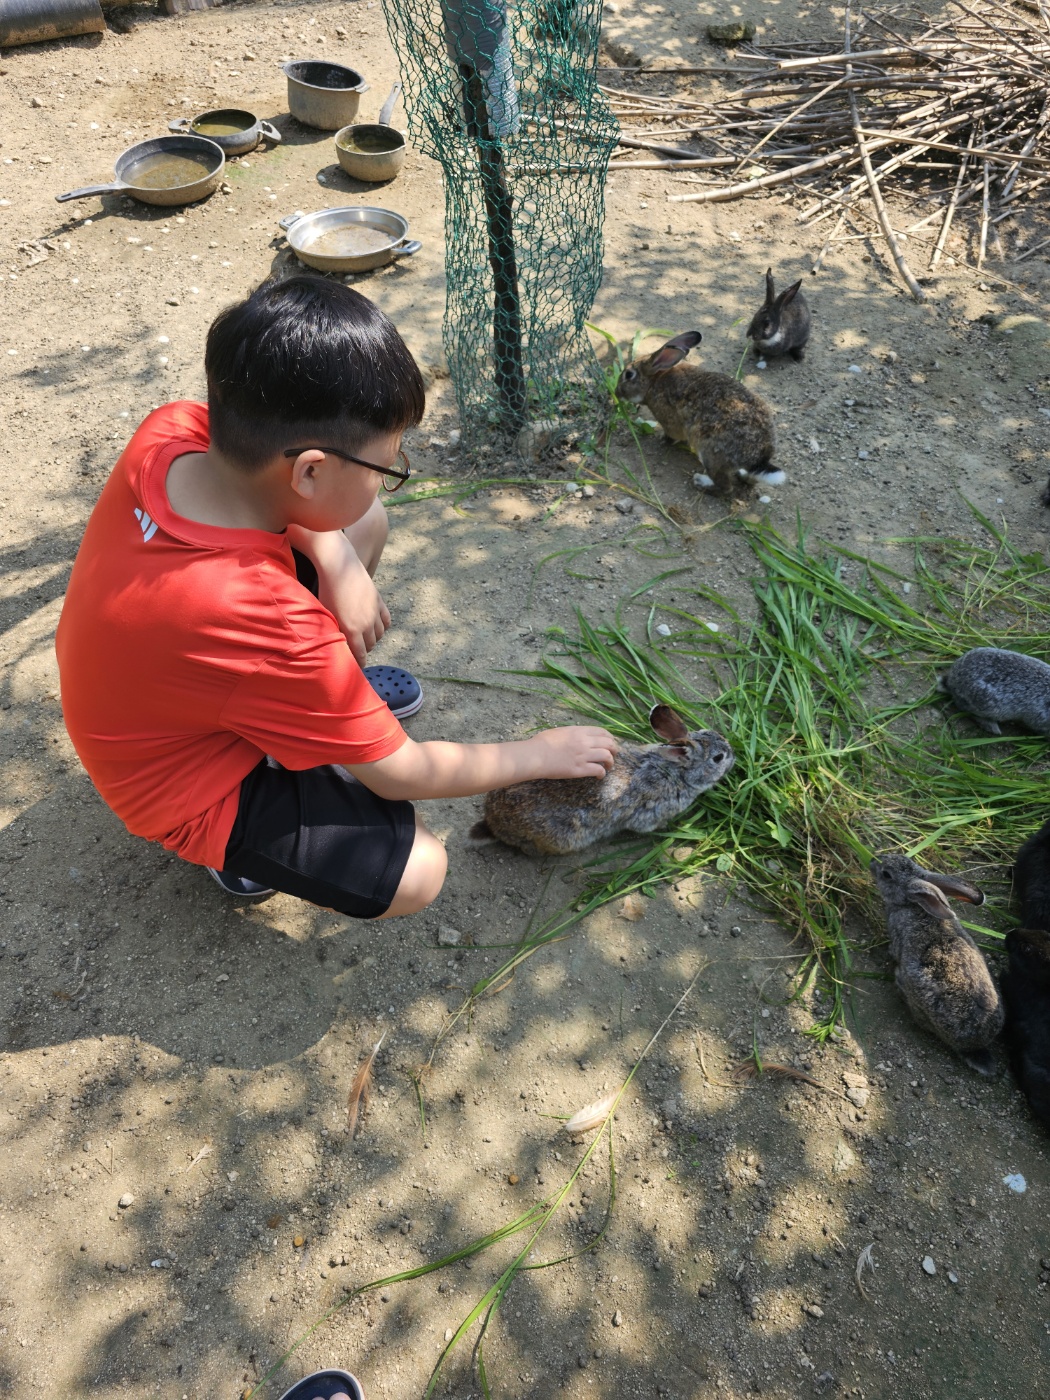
x,y
439,769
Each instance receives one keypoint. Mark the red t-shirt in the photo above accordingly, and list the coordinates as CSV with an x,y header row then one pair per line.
x,y
187,652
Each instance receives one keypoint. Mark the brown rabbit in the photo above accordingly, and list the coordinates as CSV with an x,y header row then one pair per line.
x,y
648,786
941,973
728,428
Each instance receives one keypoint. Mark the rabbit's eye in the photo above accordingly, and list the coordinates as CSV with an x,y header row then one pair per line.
x,y
630,374
718,757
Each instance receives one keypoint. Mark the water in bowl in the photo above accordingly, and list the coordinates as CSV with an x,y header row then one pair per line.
x,y
223,123
164,171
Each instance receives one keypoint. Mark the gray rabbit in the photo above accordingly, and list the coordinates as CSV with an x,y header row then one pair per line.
x,y
729,428
781,327
997,686
646,788
940,971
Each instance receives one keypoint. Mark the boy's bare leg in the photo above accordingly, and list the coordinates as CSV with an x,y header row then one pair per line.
x,y
368,535
424,875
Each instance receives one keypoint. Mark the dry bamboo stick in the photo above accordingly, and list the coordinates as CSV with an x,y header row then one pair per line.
x,y
873,184
708,163
949,213
984,221
829,241
1005,157
750,186
1029,251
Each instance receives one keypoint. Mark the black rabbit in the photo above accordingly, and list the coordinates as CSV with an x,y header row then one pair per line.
x,y
781,327
1026,982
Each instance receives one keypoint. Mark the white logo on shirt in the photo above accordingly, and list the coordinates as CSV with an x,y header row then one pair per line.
x,y
149,527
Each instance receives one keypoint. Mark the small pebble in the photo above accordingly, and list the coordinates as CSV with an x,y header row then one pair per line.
x,y
617,1318
855,369
513,1179
813,1310
126,1200
906,587
35,101
952,1278
929,1266
662,629
763,500
760,364
1016,1182
862,455
449,1334
624,505
298,1242
384,1297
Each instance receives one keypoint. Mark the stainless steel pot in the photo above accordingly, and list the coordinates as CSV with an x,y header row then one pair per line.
x,y
354,239
322,94
143,163
250,129
372,151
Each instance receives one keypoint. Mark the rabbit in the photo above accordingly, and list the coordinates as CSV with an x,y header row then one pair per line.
x,y
992,685
781,327
728,428
647,787
1032,879
1026,982
1026,993
940,971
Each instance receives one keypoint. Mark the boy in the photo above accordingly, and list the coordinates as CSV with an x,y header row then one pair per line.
x,y
209,693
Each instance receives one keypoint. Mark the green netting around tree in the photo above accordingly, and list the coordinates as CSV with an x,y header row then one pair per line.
x,y
506,99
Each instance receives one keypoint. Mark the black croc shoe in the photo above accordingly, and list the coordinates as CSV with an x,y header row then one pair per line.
x,y
326,1385
401,691
238,886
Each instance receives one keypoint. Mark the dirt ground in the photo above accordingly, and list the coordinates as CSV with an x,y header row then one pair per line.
x,y
163,1045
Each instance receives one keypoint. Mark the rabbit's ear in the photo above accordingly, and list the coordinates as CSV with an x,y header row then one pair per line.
x,y
789,294
675,350
770,289
668,724
950,884
929,897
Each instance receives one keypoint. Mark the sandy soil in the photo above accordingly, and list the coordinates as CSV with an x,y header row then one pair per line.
x,y
163,1044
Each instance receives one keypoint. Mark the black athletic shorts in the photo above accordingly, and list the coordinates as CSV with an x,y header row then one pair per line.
x,y
319,834
322,836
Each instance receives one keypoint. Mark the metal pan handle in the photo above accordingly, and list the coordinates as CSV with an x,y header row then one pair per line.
x,y
270,132
179,124
290,219
405,250
388,106
90,190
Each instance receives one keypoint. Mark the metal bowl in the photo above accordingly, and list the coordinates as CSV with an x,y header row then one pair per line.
x,y
355,239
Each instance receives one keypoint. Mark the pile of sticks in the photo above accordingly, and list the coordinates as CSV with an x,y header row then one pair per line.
x,y
956,112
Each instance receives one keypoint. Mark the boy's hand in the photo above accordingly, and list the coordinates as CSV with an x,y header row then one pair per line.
x,y
345,588
357,605
575,751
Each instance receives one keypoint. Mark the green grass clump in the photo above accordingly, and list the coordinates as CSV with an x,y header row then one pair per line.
x,y
826,698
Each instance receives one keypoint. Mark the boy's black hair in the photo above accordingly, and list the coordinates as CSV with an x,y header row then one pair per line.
x,y
303,360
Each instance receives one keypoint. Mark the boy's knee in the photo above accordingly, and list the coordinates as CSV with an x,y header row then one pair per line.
x,y
424,875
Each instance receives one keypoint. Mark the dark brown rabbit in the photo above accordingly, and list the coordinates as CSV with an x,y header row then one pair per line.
x,y
729,428
781,327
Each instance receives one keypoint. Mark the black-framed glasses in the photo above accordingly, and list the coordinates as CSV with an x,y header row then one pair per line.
x,y
399,477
